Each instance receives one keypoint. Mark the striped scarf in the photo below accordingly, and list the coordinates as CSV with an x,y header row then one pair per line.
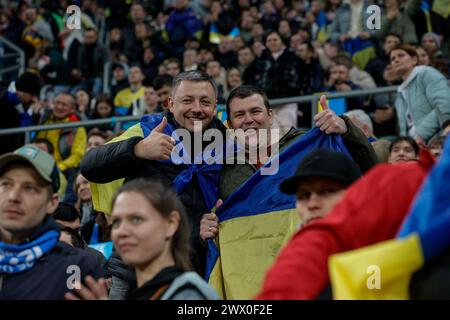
x,y
18,258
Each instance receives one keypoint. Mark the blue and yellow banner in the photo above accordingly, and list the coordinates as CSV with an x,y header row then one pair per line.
x,y
423,236
257,220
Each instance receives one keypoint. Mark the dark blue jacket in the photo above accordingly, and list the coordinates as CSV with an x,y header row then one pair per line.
x,y
51,275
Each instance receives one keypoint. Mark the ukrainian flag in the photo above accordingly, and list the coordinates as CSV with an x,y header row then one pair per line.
x,y
216,37
102,193
257,220
384,270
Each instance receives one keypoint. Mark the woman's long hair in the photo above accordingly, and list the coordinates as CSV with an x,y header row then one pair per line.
x,y
164,199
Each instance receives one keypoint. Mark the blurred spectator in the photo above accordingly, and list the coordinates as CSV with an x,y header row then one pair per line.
x,y
446,128
278,68
120,77
83,104
339,81
376,65
226,55
269,16
87,66
384,117
138,15
256,33
327,53
359,77
20,107
247,65
234,80
95,138
425,58
149,64
50,63
403,149
173,67
311,75
220,17
163,86
331,7
204,56
397,19
116,43
152,101
36,28
47,146
181,24
349,22
95,227
436,145
432,42
284,29
250,30
189,61
129,101
104,108
295,40
218,73
69,144
68,219
238,43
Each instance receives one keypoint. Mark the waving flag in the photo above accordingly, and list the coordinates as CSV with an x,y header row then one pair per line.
x,y
423,236
216,37
257,220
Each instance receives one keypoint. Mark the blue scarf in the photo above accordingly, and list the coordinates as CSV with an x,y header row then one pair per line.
x,y
207,174
15,258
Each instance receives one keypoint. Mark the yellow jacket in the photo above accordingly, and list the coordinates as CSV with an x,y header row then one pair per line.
x,y
69,144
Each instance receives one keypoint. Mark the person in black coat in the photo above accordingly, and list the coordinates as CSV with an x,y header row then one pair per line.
x,y
139,157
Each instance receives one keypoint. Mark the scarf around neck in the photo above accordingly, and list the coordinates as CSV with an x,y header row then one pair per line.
x,y
16,258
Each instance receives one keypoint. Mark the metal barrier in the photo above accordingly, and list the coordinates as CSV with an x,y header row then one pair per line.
x,y
13,52
117,121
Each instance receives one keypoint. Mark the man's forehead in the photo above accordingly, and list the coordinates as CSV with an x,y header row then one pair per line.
x,y
22,172
185,88
255,100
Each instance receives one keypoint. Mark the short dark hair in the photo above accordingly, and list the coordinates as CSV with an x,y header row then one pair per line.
x,y
97,132
409,140
195,76
49,145
246,91
164,199
393,34
162,80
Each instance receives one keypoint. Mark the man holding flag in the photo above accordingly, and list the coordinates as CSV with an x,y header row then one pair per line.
x,y
252,201
145,150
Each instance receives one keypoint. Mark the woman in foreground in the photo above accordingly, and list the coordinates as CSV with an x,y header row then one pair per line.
x,y
151,233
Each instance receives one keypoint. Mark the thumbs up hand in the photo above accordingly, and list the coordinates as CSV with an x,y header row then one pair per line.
x,y
157,145
328,121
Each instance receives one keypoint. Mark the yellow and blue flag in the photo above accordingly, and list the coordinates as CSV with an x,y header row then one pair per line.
x,y
257,220
215,36
424,235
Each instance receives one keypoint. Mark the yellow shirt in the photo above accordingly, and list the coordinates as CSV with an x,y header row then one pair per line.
x,y
77,149
124,98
